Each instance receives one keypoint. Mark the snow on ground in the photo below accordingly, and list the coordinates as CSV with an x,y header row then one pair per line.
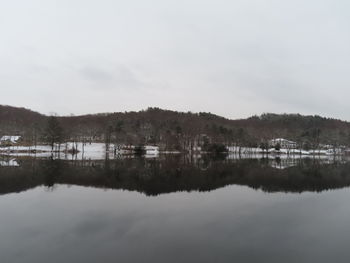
x,y
97,151
87,151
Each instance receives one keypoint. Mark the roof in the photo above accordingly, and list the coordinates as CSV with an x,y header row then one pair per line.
x,y
151,148
281,140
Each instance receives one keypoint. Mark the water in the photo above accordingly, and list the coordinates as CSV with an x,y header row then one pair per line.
x,y
174,209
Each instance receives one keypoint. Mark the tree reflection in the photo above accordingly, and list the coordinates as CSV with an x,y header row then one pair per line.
x,y
177,173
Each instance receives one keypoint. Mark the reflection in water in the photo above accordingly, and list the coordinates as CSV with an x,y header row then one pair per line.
x,y
8,162
211,213
178,173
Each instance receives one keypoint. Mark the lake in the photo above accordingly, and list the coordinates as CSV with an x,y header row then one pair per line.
x,y
174,209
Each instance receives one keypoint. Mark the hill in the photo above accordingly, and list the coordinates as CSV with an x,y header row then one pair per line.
x,y
178,130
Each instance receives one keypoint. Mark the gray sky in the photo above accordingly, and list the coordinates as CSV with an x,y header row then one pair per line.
x,y
234,58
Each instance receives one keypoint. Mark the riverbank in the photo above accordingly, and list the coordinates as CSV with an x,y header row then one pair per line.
x,y
99,151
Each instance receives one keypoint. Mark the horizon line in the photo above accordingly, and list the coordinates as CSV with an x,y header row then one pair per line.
x,y
172,110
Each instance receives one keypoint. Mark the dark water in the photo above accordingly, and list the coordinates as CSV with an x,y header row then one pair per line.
x,y
175,209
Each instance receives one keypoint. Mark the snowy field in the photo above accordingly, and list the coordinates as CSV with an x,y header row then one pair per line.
x,y
87,151
97,151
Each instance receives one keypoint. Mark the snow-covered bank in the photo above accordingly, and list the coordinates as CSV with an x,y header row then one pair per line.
x,y
283,151
92,151
97,151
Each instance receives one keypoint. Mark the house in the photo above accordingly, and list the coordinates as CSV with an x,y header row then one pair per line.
x,y
9,140
151,149
283,143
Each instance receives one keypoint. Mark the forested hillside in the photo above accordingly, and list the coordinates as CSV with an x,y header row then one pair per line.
x,y
176,130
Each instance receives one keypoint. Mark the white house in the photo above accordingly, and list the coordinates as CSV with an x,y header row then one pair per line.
x,y
9,139
151,149
286,144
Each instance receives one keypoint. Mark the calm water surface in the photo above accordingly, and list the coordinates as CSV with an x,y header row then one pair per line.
x,y
175,209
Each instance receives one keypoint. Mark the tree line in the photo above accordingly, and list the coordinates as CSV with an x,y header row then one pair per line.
x,y
173,130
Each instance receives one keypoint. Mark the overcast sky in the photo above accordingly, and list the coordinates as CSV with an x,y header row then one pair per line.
x,y
234,58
